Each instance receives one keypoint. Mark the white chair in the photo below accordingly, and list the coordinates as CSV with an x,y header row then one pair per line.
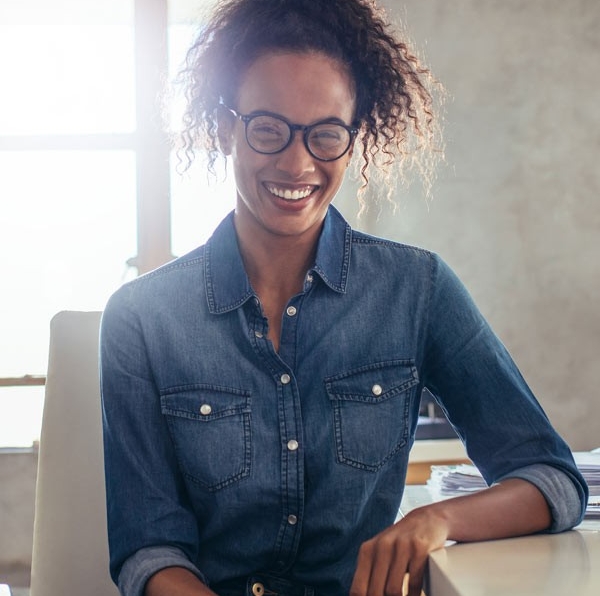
x,y
70,547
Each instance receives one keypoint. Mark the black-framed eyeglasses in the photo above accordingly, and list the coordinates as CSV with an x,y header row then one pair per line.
x,y
269,133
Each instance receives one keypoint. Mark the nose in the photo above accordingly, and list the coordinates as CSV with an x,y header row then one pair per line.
x,y
295,160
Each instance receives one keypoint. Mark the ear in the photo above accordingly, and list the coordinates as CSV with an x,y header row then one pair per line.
x,y
350,152
225,123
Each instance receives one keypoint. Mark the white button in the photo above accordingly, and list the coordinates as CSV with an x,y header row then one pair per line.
x,y
285,378
291,311
292,520
205,409
309,278
376,390
292,445
258,334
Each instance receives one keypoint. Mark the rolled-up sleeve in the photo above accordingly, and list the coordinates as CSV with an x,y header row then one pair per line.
x,y
141,566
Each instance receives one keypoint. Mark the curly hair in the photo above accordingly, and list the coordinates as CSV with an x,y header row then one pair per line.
x,y
394,101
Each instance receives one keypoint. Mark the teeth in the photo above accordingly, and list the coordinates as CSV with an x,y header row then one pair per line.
x,y
290,195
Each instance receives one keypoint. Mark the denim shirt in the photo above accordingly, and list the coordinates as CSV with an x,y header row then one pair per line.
x,y
228,458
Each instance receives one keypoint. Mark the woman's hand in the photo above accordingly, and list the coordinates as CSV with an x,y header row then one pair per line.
x,y
402,548
513,507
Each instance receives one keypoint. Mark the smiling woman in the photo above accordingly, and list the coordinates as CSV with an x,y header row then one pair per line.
x,y
261,393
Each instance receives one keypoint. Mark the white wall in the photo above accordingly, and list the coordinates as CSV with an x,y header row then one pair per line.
x,y
516,210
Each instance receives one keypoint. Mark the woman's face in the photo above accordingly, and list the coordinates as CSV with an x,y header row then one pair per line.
x,y
287,193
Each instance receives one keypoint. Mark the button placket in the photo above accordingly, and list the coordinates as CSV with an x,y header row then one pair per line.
x,y
256,321
290,427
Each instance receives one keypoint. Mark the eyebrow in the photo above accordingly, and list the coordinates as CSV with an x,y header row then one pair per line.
x,y
326,120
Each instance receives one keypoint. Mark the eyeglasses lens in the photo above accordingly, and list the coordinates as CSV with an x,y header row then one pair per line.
x,y
328,141
267,134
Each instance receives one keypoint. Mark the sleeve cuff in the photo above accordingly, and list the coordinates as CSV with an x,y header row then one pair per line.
x,y
142,565
558,490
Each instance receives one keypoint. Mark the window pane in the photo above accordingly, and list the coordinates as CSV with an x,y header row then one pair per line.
x,y
197,205
67,228
67,67
180,37
20,415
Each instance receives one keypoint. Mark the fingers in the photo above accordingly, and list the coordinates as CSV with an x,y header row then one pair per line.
x,y
384,562
380,569
362,575
416,576
388,568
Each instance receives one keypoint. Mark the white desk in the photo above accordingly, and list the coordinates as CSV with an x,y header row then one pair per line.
x,y
539,565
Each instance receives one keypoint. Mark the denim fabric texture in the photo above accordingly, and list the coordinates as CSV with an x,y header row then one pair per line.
x,y
233,460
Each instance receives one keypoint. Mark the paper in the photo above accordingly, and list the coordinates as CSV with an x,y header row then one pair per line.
x,y
464,479
588,463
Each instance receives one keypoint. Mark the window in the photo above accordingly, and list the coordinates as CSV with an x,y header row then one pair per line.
x,y
88,188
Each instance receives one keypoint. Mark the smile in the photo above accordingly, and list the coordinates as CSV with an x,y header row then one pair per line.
x,y
291,195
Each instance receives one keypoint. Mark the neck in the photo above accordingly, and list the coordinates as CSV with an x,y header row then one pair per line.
x,y
277,264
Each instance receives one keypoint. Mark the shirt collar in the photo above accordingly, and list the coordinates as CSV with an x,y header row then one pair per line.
x,y
228,286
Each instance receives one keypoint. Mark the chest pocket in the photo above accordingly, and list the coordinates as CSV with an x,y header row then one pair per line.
x,y
210,428
371,408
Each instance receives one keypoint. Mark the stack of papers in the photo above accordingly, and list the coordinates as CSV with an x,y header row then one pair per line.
x,y
588,463
448,481
455,480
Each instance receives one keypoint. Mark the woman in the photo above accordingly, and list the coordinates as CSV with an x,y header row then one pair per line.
x,y
261,393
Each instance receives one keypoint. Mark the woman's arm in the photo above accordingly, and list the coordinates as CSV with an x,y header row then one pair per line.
x,y
151,524
511,508
176,581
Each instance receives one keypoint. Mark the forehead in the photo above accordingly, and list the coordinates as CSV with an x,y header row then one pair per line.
x,y
303,87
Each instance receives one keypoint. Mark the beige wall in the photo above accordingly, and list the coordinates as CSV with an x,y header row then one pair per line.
x,y
516,210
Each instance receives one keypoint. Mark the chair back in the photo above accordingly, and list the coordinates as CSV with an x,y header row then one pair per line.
x,y
70,545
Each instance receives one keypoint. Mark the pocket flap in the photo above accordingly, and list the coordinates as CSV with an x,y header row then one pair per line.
x,y
374,382
204,402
